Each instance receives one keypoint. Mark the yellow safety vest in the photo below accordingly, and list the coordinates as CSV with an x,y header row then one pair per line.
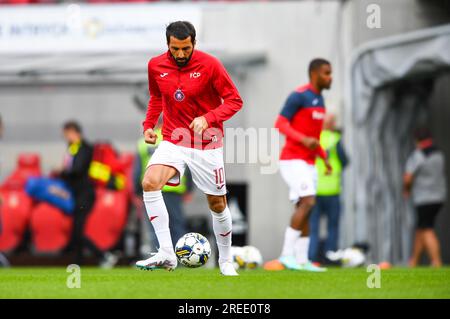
x,y
74,148
328,185
145,157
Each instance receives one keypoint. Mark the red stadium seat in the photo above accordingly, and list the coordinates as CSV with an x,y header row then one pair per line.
x,y
51,229
28,165
106,222
16,2
15,214
25,2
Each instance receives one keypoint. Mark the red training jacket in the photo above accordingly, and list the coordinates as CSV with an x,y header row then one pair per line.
x,y
200,88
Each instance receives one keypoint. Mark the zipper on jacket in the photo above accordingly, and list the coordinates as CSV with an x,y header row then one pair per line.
x,y
179,79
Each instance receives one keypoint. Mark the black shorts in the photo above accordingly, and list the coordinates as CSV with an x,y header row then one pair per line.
x,y
426,214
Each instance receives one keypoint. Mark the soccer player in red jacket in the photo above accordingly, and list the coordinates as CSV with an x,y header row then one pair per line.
x,y
196,95
301,121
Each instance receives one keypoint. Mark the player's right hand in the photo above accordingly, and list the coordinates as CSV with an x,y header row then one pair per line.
x,y
150,136
311,142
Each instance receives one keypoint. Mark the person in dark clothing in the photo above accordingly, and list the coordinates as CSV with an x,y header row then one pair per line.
x,y
424,181
76,175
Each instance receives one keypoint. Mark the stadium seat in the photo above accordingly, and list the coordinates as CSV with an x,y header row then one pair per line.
x,y
16,2
26,2
51,229
28,165
105,223
14,218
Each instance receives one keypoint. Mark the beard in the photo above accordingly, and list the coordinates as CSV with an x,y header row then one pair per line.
x,y
181,62
184,61
325,85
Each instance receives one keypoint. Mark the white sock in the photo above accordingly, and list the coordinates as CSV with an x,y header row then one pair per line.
x,y
222,229
303,248
159,217
290,237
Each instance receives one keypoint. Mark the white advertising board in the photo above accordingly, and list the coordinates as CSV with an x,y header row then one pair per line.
x,y
89,28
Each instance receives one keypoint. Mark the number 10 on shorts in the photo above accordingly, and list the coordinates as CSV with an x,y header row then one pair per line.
x,y
220,180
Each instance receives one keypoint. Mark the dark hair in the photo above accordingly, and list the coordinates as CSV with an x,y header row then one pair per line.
x,y
315,64
422,133
180,30
73,125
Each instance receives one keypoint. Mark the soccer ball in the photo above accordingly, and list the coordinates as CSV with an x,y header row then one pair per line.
x,y
237,254
247,257
252,256
193,250
353,257
349,257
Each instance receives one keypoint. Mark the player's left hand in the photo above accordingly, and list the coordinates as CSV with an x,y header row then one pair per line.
x,y
199,124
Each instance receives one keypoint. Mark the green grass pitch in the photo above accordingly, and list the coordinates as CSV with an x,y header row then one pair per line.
x,y
127,282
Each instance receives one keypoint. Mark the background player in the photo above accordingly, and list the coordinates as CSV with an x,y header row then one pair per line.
x,y
301,121
196,95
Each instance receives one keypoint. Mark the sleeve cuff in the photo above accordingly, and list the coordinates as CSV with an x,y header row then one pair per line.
x,y
210,118
146,127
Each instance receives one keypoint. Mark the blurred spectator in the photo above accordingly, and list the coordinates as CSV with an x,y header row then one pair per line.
x,y
174,196
328,190
75,174
424,180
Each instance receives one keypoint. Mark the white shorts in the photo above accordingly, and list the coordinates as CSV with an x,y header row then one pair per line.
x,y
206,166
301,178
